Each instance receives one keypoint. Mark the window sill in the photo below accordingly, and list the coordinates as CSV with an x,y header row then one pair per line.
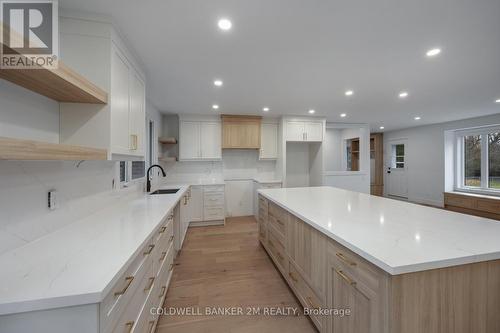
x,y
477,193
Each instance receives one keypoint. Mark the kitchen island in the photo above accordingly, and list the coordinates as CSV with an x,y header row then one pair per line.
x,y
394,266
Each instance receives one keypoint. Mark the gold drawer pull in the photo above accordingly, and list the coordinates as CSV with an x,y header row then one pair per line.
x,y
163,255
280,256
171,239
171,267
293,277
151,326
162,230
344,259
346,278
163,289
129,280
280,222
185,200
151,281
311,303
130,325
133,142
151,247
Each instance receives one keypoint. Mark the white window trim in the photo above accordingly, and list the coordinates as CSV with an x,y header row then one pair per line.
x,y
459,160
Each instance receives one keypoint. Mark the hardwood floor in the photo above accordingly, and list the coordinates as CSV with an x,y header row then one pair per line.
x,y
225,266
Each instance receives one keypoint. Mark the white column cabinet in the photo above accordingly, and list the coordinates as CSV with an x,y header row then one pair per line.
x,y
199,140
119,102
269,141
196,204
137,115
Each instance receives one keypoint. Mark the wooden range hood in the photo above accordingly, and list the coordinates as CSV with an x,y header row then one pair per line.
x,y
240,132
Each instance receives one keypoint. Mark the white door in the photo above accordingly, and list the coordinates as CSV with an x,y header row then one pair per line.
x,y
120,109
269,141
137,114
314,131
295,131
189,140
211,144
396,168
196,204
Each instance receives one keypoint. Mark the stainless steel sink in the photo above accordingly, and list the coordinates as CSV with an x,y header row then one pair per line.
x,y
169,191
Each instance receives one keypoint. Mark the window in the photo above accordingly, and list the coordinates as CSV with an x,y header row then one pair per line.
x,y
123,172
478,162
138,170
398,156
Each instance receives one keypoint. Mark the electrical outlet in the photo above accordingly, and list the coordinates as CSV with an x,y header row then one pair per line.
x,y
52,202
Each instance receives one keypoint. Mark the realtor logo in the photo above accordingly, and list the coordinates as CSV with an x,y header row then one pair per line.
x,y
29,36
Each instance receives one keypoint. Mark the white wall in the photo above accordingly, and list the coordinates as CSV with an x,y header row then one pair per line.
x,y
297,164
425,157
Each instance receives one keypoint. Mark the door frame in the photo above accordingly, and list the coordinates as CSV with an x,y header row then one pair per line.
x,y
388,163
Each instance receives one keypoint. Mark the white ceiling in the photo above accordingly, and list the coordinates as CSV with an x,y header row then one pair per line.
x,y
293,55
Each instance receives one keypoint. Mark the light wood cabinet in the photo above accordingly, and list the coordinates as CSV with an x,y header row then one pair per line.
x,y
377,164
269,142
473,204
304,131
199,140
241,132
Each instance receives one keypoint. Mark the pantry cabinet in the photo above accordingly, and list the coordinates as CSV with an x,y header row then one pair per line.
x,y
304,131
199,140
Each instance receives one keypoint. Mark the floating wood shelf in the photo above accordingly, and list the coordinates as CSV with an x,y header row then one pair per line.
x,y
17,149
169,141
61,84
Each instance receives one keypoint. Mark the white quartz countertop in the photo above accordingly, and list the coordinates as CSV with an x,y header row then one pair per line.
x,y
80,263
398,237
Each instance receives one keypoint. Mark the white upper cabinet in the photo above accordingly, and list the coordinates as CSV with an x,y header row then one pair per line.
x,y
304,131
269,141
314,131
200,140
211,140
119,126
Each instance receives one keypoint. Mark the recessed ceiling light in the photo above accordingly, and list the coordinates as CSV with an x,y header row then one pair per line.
x,y
349,93
403,94
311,111
343,115
265,109
417,118
381,127
218,83
215,107
433,52
224,24
497,101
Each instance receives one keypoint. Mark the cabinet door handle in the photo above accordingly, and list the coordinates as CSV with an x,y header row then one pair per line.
x,y
171,239
293,277
129,325
163,289
346,278
185,200
344,259
163,255
151,281
133,141
151,247
171,267
129,280
162,230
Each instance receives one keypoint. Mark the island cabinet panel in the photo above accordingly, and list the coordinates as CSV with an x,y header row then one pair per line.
x,y
460,299
355,285
262,219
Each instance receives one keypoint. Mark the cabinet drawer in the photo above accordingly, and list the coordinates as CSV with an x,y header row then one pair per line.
x,y
277,217
212,199
120,295
213,188
263,231
460,201
213,213
306,295
278,223
277,249
357,267
163,245
489,205
129,320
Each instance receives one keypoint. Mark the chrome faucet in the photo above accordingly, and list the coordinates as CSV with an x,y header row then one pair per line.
x,y
148,183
